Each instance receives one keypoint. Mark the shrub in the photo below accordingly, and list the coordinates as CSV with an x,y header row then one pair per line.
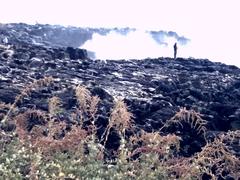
x,y
52,149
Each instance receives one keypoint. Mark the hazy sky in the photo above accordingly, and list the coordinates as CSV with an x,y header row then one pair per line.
x,y
212,25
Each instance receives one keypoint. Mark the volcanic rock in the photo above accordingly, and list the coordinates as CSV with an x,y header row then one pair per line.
x,y
154,89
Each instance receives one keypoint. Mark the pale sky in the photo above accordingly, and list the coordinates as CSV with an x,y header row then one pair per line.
x,y
212,25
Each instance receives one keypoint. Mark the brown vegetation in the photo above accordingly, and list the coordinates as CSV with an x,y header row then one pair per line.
x,y
50,150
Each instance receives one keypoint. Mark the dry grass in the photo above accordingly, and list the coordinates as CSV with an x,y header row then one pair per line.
x,y
35,139
54,106
87,105
4,105
23,129
164,146
188,116
44,140
232,137
70,142
120,120
26,92
217,159
51,143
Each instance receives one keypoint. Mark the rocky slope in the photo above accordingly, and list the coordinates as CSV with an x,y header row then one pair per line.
x,y
154,89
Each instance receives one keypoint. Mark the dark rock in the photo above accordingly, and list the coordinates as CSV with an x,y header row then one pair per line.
x,y
153,89
76,53
51,65
68,98
36,63
18,61
235,125
196,93
102,94
8,127
21,55
223,109
165,86
7,54
4,69
8,94
206,176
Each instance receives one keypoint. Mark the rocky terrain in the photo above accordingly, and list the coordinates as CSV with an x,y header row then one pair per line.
x,y
154,89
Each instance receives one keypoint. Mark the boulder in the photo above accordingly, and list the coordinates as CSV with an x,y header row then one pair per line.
x,y
75,53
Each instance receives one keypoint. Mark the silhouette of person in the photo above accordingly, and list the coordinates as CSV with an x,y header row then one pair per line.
x,y
175,50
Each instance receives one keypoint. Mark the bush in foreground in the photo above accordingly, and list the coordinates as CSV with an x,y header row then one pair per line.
x,y
50,149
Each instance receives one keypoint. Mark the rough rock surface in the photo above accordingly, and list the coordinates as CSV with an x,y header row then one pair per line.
x,y
154,89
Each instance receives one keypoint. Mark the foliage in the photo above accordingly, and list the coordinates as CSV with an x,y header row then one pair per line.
x,y
50,149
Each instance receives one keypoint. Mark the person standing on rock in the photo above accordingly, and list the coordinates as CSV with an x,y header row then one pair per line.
x,y
175,50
